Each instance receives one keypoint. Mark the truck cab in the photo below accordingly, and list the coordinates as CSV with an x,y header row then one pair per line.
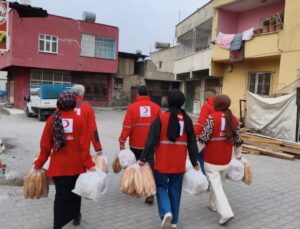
x,y
42,99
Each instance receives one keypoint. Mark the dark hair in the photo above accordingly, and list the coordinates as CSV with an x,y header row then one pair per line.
x,y
142,90
211,90
175,98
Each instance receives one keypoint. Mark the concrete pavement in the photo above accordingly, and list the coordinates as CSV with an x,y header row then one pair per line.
x,y
272,201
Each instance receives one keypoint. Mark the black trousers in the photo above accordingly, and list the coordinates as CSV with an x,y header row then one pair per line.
x,y
66,204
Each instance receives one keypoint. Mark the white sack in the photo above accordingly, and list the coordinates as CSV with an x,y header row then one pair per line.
x,y
236,170
274,117
91,185
126,158
194,182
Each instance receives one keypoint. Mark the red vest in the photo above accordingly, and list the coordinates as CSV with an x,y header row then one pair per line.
x,y
218,151
171,157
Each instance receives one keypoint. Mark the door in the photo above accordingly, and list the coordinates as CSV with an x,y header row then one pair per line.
x,y
133,94
11,91
190,93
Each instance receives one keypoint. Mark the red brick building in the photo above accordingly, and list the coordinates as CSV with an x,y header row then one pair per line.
x,y
60,50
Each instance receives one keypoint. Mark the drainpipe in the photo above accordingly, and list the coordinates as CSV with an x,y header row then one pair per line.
x,y
298,115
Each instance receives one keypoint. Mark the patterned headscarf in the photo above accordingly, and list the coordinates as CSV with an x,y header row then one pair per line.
x,y
65,102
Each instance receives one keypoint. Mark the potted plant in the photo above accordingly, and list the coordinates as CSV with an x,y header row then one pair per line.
x,y
272,25
265,26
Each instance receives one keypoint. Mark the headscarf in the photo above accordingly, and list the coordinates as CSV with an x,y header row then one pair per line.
x,y
175,100
222,103
65,102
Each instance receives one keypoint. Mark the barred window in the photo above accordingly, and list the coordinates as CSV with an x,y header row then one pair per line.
x,y
259,83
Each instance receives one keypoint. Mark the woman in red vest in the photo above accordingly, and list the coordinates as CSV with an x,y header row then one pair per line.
x,y
65,141
220,134
171,136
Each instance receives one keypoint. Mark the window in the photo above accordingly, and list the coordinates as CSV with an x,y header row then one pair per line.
x,y
118,83
100,47
49,77
259,83
48,44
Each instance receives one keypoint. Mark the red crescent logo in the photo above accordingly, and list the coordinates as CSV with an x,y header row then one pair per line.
x,y
66,123
146,110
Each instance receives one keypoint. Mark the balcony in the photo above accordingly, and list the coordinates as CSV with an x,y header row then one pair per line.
x,y
236,16
263,45
195,62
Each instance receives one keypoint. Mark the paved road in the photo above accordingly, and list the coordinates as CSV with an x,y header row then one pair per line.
x,y
271,202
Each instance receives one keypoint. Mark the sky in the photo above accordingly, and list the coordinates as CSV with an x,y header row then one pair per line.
x,y
141,22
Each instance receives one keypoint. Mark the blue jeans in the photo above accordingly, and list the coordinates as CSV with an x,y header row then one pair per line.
x,y
200,159
168,194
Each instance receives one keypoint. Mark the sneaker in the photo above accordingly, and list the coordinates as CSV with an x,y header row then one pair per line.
x,y
173,226
77,220
149,200
166,222
211,208
224,221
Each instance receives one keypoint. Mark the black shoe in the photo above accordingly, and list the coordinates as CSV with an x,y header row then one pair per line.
x,y
77,220
149,200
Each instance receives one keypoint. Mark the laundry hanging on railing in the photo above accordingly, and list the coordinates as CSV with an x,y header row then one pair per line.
x,y
248,34
224,40
234,41
237,42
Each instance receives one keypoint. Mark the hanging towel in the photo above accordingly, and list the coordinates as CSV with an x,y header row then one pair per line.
x,y
237,42
224,40
237,56
248,34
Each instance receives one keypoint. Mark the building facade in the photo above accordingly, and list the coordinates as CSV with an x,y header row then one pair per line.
x,y
60,50
194,54
159,76
270,59
128,78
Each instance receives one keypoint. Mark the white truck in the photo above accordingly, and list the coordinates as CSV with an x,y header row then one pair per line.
x,y
42,99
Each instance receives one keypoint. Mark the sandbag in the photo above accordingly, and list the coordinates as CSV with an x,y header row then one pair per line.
x,y
247,179
91,185
126,158
138,181
116,165
36,184
236,170
101,163
194,182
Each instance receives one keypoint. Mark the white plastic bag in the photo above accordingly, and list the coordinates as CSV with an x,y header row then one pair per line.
x,y
188,165
236,170
194,182
126,158
91,185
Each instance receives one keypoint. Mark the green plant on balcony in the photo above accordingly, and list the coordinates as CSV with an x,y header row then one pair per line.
x,y
272,25
265,26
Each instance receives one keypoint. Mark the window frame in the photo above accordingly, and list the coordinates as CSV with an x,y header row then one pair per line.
x,y
41,80
105,40
45,42
257,74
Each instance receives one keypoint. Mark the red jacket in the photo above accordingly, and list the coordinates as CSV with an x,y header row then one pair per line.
x,y
72,159
138,120
171,157
218,150
206,110
87,113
